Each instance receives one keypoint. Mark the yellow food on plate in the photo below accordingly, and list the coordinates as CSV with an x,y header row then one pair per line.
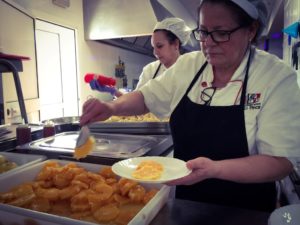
x,y
148,170
83,150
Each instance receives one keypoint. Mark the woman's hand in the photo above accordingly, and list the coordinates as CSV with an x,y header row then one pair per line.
x,y
202,168
94,110
250,169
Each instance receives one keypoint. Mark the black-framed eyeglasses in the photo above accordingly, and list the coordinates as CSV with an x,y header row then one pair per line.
x,y
207,95
217,36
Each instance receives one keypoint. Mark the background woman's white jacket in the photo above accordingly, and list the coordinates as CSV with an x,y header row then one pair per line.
x,y
149,71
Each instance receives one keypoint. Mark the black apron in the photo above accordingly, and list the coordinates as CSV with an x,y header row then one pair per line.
x,y
156,72
217,132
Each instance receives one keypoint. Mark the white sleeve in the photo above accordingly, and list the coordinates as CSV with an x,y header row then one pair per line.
x,y
144,77
163,93
157,93
279,120
147,74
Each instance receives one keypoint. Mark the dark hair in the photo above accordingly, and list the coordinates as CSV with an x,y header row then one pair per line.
x,y
170,36
172,39
240,15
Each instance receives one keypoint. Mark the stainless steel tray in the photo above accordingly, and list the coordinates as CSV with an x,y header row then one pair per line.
x,y
131,127
107,145
121,127
64,120
129,124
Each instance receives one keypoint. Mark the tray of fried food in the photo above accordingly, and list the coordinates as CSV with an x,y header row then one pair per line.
x,y
148,117
66,192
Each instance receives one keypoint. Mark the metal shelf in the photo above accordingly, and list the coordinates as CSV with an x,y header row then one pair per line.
x,y
15,65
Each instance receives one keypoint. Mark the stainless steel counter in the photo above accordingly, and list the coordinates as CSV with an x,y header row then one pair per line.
x,y
8,136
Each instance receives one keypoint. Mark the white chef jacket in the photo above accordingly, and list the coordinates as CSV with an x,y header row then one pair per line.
x,y
272,110
149,71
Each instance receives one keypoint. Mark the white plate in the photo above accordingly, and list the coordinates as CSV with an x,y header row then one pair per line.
x,y
173,168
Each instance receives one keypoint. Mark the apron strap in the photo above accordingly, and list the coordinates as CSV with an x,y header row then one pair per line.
x,y
196,78
156,72
243,96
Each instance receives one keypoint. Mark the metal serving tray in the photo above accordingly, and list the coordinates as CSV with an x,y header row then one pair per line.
x,y
121,127
10,214
107,145
64,120
131,127
22,160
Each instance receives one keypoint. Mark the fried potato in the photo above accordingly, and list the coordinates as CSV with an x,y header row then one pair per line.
x,y
137,193
83,150
148,117
148,170
106,213
40,204
73,192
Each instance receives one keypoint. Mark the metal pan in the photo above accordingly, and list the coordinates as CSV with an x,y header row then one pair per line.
x,y
131,127
107,145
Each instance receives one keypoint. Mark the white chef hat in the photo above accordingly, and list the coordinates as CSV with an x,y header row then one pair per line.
x,y
177,26
256,9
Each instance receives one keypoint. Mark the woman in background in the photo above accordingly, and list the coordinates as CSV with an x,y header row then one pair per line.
x,y
167,39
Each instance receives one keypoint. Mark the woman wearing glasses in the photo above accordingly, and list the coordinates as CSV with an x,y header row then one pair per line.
x,y
169,35
235,110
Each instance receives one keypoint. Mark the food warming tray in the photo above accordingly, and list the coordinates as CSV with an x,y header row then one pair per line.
x,y
131,127
22,160
15,215
107,144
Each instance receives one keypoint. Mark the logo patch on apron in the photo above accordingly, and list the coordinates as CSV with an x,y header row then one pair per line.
x,y
253,101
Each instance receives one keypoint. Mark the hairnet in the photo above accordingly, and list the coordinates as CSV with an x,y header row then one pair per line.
x,y
177,26
256,9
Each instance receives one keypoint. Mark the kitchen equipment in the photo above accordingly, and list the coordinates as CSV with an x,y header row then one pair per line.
x,y
9,134
107,145
23,134
48,130
157,128
4,131
83,136
22,160
63,120
13,63
102,80
85,143
15,215
63,124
